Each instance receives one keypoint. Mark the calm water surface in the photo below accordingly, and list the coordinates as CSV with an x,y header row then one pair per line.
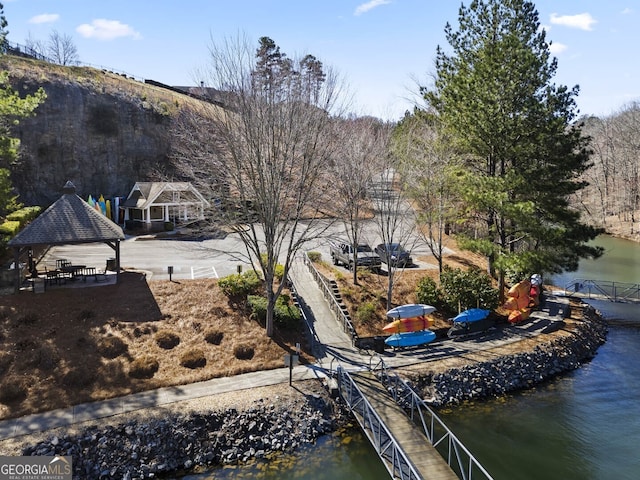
x,y
583,426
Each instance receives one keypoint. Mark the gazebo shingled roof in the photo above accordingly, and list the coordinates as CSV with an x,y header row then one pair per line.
x,y
69,220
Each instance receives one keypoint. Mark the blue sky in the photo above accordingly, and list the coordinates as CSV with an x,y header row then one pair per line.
x,y
383,48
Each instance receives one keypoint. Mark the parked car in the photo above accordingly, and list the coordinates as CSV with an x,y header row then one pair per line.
x,y
394,254
342,253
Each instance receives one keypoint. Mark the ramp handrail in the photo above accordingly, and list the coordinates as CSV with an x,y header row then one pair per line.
x,y
347,326
613,291
457,456
396,461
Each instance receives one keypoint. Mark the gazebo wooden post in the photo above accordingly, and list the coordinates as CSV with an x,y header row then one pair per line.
x,y
117,260
16,267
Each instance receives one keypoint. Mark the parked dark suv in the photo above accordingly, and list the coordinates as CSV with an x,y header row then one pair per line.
x,y
394,254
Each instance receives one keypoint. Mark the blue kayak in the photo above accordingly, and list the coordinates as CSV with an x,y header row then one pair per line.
x,y
471,315
410,339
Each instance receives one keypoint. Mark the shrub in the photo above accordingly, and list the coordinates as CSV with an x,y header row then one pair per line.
x,y
258,306
144,367
240,284
112,347
468,289
285,315
244,352
366,312
213,336
24,215
167,339
427,292
315,257
9,228
278,270
12,392
193,358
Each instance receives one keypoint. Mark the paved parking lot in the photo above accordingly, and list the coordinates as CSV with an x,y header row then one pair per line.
x,y
211,258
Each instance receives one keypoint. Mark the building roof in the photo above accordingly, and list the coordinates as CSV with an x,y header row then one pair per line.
x,y
145,194
68,220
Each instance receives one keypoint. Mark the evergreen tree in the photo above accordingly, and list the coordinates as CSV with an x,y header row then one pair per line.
x,y
495,96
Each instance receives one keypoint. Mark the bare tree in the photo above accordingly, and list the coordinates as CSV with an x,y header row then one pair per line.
x,y
61,49
628,136
425,158
614,176
362,143
35,48
263,156
596,199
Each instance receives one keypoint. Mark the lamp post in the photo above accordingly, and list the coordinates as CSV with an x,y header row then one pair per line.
x,y
170,271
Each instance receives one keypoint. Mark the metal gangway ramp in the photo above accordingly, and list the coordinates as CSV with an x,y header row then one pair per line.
x,y
412,446
603,290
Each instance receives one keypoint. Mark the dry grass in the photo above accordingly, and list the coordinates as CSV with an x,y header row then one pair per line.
x,y
69,346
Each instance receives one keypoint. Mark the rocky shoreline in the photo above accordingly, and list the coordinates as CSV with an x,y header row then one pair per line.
x,y
520,371
183,443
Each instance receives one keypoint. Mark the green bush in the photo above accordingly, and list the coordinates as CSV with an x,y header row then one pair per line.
x,y
24,215
240,284
9,228
472,288
315,257
278,271
366,312
427,292
285,314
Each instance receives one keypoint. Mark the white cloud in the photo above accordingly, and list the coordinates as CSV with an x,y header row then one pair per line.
x,y
583,21
44,18
627,11
103,29
370,5
557,48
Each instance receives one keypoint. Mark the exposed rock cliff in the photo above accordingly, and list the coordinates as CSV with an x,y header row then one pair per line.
x,y
100,130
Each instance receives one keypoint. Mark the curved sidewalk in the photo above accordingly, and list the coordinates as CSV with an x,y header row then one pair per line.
x,y
95,410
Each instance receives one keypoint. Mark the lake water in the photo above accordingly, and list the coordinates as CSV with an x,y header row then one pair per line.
x,y
584,425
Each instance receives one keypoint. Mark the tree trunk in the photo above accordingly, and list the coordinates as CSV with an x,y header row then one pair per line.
x,y
271,307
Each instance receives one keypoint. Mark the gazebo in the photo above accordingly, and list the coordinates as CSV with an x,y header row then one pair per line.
x,y
69,220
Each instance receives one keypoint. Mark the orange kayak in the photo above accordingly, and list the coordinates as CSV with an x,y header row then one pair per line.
x,y
413,324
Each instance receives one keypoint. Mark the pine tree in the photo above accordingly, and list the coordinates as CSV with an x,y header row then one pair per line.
x,y
496,97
